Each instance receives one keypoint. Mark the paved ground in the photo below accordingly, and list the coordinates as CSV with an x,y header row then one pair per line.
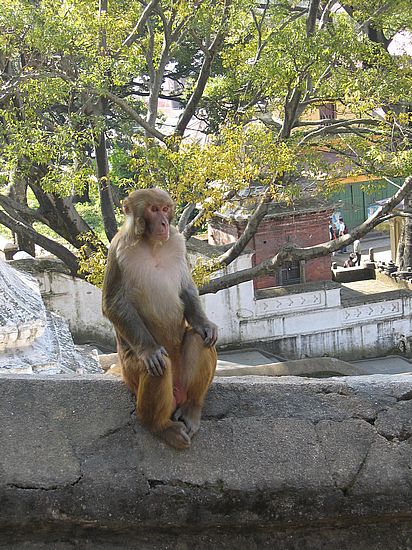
x,y
392,364
247,357
378,241
361,292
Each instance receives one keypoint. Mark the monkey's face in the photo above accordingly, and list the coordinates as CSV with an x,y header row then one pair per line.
x,y
157,217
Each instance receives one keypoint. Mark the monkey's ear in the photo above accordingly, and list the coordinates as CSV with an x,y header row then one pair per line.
x,y
126,207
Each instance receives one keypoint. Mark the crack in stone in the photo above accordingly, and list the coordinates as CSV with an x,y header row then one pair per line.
x,y
179,484
348,488
51,488
406,396
113,431
345,392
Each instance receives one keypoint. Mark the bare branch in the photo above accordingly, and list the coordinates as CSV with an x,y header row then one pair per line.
x,y
291,252
320,100
149,53
339,126
191,227
326,13
204,74
253,223
134,115
138,29
338,121
184,218
11,206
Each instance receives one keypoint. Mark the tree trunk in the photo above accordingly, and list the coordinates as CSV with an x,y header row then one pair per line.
x,y
404,258
100,149
62,216
18,192
106,199
52,246
290,115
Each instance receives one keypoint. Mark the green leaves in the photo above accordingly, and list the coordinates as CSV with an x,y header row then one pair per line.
x,y
70,72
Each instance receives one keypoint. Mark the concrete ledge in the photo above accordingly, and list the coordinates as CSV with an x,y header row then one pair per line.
x,y
351,274
288,463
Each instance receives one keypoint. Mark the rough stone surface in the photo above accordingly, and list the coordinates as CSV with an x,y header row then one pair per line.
x,y
279,463
22,313
32,339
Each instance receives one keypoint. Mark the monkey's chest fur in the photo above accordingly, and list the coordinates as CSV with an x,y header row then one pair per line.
x,y
154,283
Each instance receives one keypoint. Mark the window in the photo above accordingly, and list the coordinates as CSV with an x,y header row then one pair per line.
x,y
327,111
289,274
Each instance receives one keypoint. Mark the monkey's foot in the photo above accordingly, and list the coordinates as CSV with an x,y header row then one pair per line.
x,y
189,414
176,435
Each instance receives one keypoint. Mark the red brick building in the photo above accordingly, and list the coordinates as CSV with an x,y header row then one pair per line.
x,y
303,227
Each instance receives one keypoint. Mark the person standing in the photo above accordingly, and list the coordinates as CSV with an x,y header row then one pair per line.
x,y
357,251
332,234
342,231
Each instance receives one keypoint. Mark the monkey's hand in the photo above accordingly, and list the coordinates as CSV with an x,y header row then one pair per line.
x,y
208,332
155,361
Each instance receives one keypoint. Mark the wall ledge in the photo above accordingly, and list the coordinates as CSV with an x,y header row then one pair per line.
x,y
299,463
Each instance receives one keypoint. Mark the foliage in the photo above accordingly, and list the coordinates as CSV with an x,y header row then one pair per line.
x,y
92,259
203,173
249,79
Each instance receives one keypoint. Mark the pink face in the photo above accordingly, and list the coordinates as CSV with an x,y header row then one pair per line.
x,y
157,218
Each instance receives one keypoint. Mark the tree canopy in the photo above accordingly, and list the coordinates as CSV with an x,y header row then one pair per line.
x,y
85,110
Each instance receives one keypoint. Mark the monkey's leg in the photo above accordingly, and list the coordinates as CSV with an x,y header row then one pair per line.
x,y
197,371
155,401
155,405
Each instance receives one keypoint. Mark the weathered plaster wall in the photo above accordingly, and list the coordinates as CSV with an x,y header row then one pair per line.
x,y
79,302
287,463
310,320
299,321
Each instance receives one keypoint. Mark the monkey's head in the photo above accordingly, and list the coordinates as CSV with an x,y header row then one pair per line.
x,y
148,215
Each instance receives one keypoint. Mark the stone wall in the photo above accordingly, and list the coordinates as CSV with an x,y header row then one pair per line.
x,y
288,463
311,320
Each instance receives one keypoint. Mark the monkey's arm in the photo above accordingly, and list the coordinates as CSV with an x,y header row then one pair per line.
x,y
195,315
127,320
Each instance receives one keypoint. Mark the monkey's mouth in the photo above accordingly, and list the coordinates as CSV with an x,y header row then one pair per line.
x,y
162,236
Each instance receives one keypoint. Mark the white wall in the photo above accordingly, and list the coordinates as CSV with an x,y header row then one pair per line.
x,y
80,303
297,322
310,323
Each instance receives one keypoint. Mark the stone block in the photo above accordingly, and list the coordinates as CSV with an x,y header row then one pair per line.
x,y
287,463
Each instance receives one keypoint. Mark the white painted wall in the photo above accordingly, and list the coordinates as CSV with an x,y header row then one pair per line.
x,y
311,323
293,324
80,303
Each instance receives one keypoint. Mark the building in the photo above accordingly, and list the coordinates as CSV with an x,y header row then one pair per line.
x,y
302,226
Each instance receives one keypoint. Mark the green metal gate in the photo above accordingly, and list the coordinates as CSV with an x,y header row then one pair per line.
x,y
355,199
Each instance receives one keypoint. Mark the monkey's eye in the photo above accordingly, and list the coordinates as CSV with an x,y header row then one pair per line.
x,y
165,209
154,208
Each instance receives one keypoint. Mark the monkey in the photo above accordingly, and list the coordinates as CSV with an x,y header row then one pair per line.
x,y
165,342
